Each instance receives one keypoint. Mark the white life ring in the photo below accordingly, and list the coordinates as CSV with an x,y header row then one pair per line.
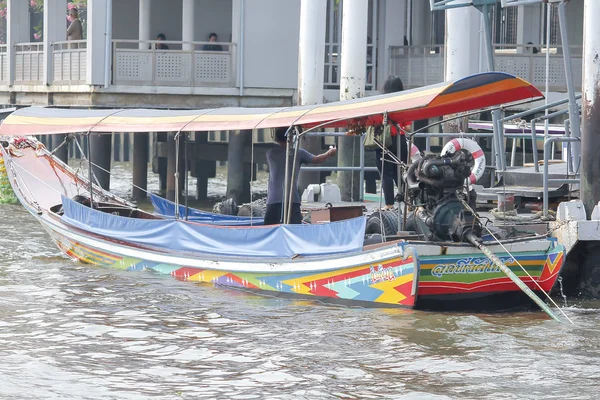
x,y
461,143
415,154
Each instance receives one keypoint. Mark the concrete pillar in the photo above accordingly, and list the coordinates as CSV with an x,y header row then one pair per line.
x,y
100,146
392,18
17,31
188,23
159,161
55,28
140,165
462,42
590,107
204,168
97,31
238,184
311,72
529,25
421,23
144,23
462,51
352,85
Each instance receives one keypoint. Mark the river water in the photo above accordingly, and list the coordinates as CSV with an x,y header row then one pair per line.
x,y
75,331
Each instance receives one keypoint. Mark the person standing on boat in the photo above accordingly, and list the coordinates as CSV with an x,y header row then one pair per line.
x,y
389,174
276,161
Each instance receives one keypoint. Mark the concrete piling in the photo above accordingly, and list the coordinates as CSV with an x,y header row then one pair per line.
x,y
352,86
204,169
238,185
140,165
100,147
311,72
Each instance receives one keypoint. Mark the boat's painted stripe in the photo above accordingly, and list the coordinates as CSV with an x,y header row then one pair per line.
x,y
237,265
389,282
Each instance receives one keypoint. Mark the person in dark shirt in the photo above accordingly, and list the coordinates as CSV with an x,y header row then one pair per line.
x,y
212,38
161,46
276,161
389,170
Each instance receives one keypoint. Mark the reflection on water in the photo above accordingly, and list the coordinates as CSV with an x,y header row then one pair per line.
x,y
74,331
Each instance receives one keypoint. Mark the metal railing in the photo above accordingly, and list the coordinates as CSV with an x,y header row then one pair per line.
x,y
332,67
547,150
185,64
69,62
29,63
424,65
4,64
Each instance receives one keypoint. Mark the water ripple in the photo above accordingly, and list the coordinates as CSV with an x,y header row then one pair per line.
x,y
73,331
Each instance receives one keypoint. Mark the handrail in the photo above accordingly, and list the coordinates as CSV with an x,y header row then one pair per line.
x,y
547,144
192,44
538,109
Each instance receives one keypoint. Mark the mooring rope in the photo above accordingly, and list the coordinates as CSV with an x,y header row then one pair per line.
x,y
477,243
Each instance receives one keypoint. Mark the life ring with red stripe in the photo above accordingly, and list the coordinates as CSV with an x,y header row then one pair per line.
x,y
462,143
415,154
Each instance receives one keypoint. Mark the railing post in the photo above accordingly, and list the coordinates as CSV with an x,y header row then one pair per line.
x,y
536,167
54,30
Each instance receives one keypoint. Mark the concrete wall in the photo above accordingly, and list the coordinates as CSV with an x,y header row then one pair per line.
x,y
392,29
529,24
271,39
213,16
125,19
575,22
165,17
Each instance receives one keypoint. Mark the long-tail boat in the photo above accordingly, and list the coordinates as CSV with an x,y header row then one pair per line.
x,y
441,270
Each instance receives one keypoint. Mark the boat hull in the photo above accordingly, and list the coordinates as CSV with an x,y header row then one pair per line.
x,y
400,278
411,274
470,282
388,279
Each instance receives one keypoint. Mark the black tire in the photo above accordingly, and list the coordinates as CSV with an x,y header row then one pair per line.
x,y
389,219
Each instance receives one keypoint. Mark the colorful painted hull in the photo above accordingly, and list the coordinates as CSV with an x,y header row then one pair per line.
x,y
469,281
383,276
407,274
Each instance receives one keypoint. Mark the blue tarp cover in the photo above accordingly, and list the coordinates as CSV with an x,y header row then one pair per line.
x,y
167,208
281,241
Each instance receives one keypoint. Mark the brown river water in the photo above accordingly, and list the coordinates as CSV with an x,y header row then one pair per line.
x,y
75,331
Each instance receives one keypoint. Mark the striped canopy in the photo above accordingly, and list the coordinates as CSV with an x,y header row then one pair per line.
x,y
470,93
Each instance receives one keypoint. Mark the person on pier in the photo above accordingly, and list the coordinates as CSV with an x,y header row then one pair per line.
x,y
389,170
276,161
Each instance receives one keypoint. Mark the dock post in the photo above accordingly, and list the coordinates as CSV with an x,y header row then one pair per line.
x,y
140,165
159,161
236,187
590,108
172,166
311,73
100,148
352,85
204,168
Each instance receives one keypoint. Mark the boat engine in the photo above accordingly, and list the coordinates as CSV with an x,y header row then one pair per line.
x,y
434,186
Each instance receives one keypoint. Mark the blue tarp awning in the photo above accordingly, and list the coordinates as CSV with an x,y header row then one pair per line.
x,y
279,241
167,208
